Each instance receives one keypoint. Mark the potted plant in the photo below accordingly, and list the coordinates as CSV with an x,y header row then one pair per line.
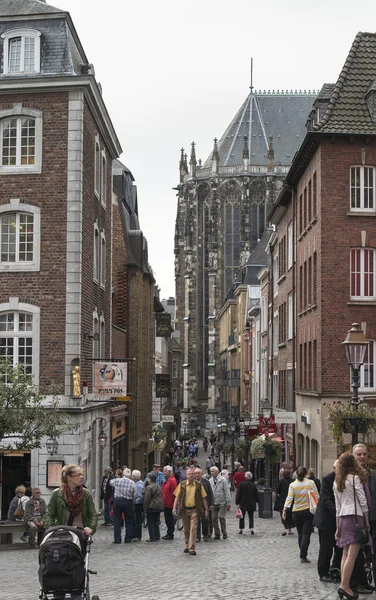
x,y
265,447
343,418
260,482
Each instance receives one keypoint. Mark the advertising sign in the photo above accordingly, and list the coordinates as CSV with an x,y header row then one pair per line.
x,y
110,379
168,418
163,385
288,418
272,427
156,411
163,327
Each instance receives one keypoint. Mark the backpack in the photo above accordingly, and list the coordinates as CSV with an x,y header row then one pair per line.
x,y
19,512
61,563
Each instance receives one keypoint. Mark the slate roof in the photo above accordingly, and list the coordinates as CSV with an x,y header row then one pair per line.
x,y
282,115
10,8
257,260
347,111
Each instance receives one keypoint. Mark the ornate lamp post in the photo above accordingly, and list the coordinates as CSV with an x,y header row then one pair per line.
x,y
52,446
232,429
267,412
247,422
355,347
102,437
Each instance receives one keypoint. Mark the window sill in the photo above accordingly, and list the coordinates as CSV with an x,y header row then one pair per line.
x,y
361,213
19,170
307,228
361,302
103,204
103,287
96,194
307,309
20,73
96,281
19,267
282,345
282,278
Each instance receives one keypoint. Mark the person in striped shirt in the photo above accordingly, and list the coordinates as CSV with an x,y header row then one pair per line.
x,y
299,492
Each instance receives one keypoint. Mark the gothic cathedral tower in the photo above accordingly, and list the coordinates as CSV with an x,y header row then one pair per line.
x,y
221,215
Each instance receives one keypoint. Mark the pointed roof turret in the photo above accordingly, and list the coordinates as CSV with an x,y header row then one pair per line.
x,y
186,162
193,161
182,169
215,155
282,115
9,8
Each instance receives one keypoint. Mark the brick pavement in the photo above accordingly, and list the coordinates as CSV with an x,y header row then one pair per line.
x,y
265,565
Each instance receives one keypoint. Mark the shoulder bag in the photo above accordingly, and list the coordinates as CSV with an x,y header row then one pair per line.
x,y
312,501
361,533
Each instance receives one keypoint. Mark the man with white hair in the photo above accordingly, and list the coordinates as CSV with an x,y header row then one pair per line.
x,y
168,488
221,502
125,495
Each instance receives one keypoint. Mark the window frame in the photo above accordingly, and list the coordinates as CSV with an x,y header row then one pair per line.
x,y
102,337
103,179
18,112
290,316
17,207
371,365
23,33
102,265
361,296
14,306
97,168
175,368
96,254
289,246
362,208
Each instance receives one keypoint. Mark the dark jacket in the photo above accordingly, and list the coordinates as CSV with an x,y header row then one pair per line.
x,y
325,517
317,483
29,510
209,492
109,489
153,498
372,488
282,492
247,495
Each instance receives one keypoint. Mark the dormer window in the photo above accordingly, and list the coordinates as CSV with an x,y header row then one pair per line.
x,y
21,52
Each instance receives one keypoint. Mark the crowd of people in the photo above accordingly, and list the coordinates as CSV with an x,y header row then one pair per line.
x,y
342,507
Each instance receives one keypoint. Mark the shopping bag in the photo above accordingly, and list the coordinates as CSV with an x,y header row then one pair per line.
x,y
312,502
239,514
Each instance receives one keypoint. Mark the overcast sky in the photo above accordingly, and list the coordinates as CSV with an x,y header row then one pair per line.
x,y
175,72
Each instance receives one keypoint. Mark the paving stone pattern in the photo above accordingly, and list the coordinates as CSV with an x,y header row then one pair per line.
x,y
265,565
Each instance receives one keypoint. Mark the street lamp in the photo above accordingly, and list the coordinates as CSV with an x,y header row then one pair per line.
x,y
52,446
267,513
102,437
247,422
233,429
355,348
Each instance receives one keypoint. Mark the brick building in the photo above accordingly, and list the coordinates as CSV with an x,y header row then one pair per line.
x,y
57,144
325,254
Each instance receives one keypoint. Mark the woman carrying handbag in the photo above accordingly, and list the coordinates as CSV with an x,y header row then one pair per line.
x,y
352,517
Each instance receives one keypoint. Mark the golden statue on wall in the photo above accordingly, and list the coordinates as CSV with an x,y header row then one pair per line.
x,y
76,382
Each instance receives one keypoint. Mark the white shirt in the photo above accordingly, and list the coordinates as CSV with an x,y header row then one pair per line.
x,y
345,499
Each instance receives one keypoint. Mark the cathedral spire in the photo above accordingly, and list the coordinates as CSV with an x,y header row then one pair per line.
x,y
193,161
245,154
271,156
186,163
215,157
182,170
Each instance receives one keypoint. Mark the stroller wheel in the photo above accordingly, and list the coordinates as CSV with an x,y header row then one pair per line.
x,y
335,575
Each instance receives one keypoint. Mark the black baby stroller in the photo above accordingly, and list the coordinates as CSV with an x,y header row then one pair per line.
x,y
64,564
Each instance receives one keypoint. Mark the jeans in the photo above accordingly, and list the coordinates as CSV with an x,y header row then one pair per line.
x,y
122,505
169,520
106,512
138,518
153,524
303,523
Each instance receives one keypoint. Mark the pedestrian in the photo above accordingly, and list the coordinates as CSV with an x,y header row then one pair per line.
x,y
204,523
351,513
282,493
299,494
15,502
34,517
71,503
286,465
205,444
312,476
125,495
106,495
190,502
160,478
168,488
325,521
138,506
181,473
209,464
222,502
153,506
246,498
239,477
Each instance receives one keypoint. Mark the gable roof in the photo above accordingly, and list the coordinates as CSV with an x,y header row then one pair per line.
x,y
10,8
347,111
281,115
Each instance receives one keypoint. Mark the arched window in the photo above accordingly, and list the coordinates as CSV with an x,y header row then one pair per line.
x,y
307,452
21,51
300,448
19,237
19,335
20,140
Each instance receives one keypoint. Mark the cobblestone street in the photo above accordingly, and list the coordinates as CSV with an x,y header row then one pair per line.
x,y
265,565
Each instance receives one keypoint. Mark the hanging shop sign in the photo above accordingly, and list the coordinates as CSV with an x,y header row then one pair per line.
x,y
163,324
163,385
110,379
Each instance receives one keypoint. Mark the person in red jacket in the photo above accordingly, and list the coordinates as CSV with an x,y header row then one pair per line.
x,y
168,488
239,477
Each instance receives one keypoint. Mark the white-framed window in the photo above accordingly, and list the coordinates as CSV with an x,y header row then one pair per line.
x,y
289,316
367,370
174,398
21,51
19,335
20,140
174,369
103,261
102,337
104,180
289,246
362,189
362,273
96,254
275,275
97,168
19,237
264,314
96,338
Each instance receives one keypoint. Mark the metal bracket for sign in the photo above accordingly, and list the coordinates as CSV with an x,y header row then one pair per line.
x,y
114,360
105,401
